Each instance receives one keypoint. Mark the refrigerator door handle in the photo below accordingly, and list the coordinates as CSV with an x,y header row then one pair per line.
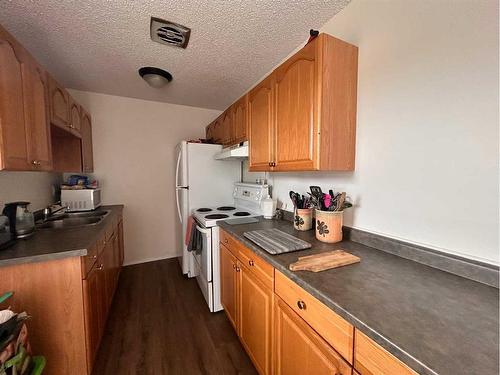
x,y
177,169
178,204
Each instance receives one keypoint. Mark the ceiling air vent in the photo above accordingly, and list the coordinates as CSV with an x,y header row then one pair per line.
x,y
169,33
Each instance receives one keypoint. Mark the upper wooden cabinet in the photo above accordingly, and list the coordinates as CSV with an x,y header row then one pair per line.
x,y
227,127
86,132
260,119
59,100
312,121
75,112
231,126
24,140
240,120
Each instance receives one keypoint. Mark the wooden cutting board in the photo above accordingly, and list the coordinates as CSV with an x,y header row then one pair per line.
x,y
324,261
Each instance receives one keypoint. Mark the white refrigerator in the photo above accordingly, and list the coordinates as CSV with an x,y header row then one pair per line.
x,y
201,181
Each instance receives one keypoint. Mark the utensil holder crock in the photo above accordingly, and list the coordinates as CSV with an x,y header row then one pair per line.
x,y
303,219
329,226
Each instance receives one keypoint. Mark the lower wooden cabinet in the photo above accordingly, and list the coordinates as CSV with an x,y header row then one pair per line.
x,y
287,331
248,303
300,350
229,279
255,307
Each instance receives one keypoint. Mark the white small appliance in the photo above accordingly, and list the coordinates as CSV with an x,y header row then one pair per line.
x,y
246,203
81,199
199,179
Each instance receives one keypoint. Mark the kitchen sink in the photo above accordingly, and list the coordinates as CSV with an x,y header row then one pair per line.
x,y
70,220
68,215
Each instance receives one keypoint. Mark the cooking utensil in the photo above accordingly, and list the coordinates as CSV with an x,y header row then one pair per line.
x,y
318,194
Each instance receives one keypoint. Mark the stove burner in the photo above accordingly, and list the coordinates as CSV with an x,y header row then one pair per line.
x,y
203,209
216,216
241,213
226,208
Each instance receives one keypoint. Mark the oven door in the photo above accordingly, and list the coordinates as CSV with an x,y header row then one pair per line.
x,y
203,266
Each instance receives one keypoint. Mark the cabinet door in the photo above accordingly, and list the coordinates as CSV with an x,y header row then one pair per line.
x,y
14,135
255,308
209,131
87,150
75,116
93,312
227,127
37,117
59,105
260,125
240,120
300,350
109,270
121,243
218,131
296,111
228,284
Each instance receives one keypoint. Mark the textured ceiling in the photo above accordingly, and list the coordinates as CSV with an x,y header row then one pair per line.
x,y
99,45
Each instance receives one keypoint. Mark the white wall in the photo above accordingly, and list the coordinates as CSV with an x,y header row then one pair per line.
x,y
134,159
35,187
427,143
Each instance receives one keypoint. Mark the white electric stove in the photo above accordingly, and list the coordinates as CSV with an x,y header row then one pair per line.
x,y
246,204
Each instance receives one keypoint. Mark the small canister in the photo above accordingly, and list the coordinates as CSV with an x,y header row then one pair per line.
x,y
329,226
268,206
303,219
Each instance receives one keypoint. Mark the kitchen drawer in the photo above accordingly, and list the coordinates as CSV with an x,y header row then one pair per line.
x,y
263,270
89,260
372,359
335,330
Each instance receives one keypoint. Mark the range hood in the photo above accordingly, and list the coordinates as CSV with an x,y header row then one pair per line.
x,y
235,152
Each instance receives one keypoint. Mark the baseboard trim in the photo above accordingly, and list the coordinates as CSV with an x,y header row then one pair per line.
x,y
147,260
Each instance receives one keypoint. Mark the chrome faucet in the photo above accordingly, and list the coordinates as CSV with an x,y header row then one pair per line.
x,y
47,212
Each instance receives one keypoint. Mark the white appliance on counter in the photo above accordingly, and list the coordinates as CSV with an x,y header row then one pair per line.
x,y
199,179
246,204
81,199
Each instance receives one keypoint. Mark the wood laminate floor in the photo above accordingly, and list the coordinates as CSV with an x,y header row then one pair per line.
x,y
160,324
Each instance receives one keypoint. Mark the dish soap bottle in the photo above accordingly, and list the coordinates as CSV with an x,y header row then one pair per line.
x,y
268,206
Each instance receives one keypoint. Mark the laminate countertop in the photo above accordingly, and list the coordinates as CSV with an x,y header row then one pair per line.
x,y
435,322
52,244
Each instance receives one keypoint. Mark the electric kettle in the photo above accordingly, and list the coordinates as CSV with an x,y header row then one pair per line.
x,y
21,220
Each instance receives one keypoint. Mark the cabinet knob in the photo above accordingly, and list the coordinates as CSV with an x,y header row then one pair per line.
x,y
238,269
36,163
251,263
226,240
234,266
94,256
100,267
301,305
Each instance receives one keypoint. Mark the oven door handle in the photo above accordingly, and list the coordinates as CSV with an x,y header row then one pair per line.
x,y
203,230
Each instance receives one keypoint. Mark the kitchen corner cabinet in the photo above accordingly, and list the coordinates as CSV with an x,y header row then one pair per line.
x,y
24,137
300,350
310,121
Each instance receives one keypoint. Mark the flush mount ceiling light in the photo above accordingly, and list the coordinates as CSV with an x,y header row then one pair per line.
x,y
155,77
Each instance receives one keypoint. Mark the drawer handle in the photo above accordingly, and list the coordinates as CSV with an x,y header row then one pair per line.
x,y
251,263
301,305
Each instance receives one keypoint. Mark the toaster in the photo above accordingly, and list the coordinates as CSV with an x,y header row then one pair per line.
x,y
81,199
